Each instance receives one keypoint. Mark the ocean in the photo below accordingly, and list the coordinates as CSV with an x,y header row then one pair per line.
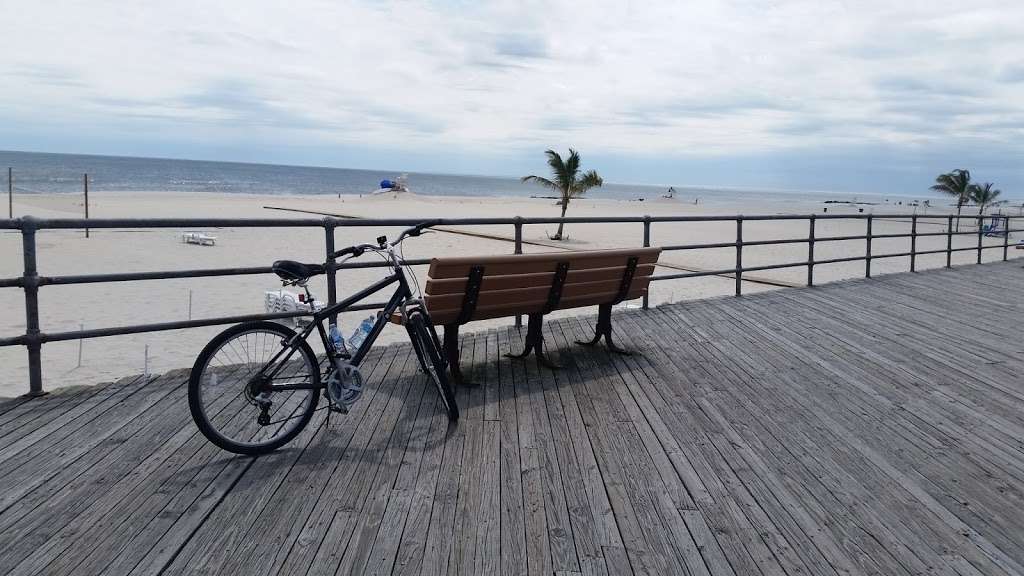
x,y
62,173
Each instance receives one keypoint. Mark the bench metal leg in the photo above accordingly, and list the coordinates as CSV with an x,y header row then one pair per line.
x,y
604,329
535,343
451,351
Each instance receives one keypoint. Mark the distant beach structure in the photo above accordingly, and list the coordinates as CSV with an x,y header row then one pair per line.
x,y
399,184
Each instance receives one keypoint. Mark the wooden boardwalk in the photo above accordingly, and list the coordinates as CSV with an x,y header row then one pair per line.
x,y
865,427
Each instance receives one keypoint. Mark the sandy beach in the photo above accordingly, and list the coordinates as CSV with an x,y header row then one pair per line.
x,y
106,251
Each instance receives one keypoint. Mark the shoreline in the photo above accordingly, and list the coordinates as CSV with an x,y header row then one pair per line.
x,y
713,195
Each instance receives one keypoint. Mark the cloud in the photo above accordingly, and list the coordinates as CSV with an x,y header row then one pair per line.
x,y
1012,73
521,46
438,79
47,76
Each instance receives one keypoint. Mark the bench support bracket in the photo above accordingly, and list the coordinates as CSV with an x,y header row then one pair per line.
x,y
535,342
604,329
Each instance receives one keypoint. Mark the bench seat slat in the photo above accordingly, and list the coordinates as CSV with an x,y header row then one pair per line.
x,y
439,287
483,312
506,265
533,295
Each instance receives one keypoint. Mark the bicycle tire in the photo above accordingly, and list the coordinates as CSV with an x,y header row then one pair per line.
x,y
201,370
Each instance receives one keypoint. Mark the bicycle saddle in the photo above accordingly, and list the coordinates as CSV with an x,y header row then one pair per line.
x,y
293,271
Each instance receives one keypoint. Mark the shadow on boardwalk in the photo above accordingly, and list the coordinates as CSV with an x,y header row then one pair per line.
x,y
865,427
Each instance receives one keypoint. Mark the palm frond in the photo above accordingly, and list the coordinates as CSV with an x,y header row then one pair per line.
x,y
589,180
984,194
542,181
956,183
572,164
559,169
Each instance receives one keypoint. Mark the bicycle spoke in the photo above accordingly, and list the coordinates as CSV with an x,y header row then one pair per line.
x,y
239,373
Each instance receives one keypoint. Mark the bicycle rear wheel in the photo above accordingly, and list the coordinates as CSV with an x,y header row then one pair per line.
x,y
424,341
230,390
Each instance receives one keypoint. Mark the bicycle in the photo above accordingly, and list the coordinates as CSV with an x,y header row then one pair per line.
x,y
256,385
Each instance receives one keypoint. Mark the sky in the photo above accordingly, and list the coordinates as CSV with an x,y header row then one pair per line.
x,y
869,96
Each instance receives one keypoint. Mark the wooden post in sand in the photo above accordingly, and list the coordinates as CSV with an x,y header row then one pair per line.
x,y
80,328
10,193
85,183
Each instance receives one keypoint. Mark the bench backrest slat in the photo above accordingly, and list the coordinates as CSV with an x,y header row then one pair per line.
x,y
438,287
506,265
521,284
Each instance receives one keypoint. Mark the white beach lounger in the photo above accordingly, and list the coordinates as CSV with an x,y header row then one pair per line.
x,y
198,238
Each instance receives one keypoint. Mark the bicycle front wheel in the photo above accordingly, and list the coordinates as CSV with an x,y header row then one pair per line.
x,y
233,390
424,341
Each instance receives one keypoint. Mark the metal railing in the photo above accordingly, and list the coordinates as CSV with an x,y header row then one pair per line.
x,y
30,281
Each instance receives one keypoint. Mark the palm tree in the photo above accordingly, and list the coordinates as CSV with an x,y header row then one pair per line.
x,y
956,183
567,181
983,195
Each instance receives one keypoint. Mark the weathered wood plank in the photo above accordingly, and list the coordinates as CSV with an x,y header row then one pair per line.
x,y
513,513
863,427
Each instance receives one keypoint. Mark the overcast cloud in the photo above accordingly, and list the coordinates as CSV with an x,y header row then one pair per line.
x,y
865,95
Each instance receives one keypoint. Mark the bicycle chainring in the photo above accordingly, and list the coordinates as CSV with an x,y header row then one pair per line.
x,y
344,385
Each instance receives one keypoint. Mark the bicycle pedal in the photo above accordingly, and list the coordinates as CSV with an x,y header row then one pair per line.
x,y
339,408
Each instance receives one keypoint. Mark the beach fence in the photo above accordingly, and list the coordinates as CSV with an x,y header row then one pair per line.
x,y
30,281
22,191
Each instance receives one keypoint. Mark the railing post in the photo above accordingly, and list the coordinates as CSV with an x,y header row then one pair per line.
x,y
913,243
981,235
519,250
739,255
867,253
85,187
647,244
949,242
31,286
1006,236
332,272
810,251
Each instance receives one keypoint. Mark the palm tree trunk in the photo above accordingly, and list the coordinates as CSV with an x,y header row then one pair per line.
x,y
565,206
959,205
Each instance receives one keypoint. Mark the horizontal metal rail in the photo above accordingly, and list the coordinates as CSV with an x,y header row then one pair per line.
x,y
164,326
142,223
31,281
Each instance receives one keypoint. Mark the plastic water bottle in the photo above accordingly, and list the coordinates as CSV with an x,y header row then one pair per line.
x,y
362,331
339,342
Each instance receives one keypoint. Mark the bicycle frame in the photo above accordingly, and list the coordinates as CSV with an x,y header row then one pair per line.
x,y
401,298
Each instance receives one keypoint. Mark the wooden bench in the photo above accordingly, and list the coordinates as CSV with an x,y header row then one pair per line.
x,y
464,289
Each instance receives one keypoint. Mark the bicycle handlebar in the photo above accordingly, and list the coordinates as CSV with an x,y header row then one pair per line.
x,y
415,230
358,250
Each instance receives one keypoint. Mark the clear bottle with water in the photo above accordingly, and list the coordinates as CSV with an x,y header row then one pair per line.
x,y
338,340
362,331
